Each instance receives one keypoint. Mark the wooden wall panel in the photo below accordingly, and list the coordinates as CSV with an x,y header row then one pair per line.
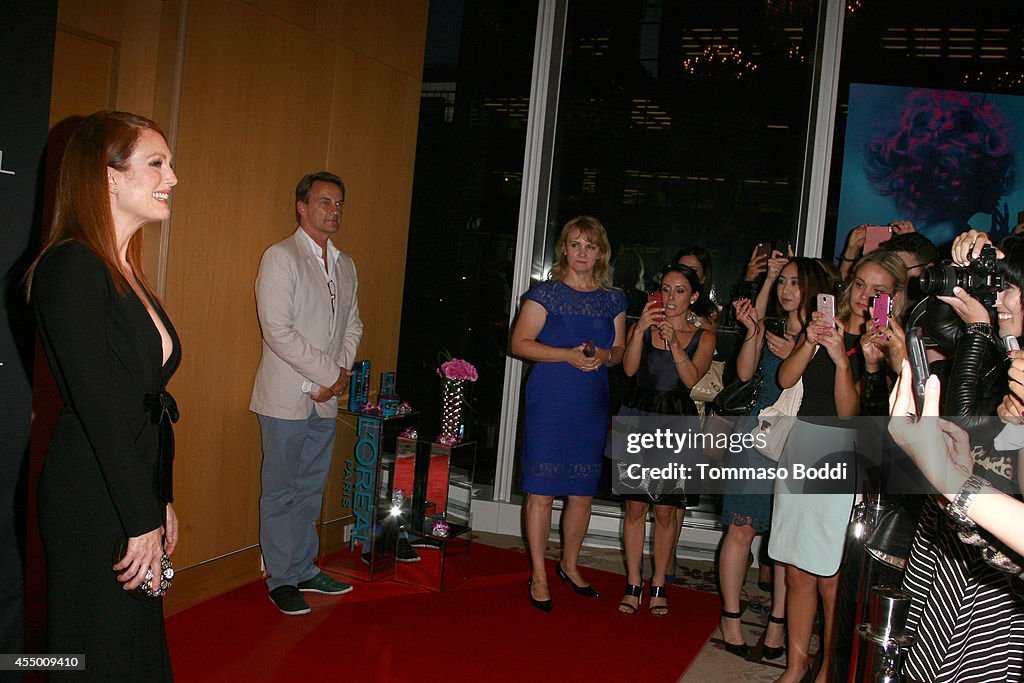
x,y
299,12
84,76
137,74
270,90
240,154
391,31
100,18
374,141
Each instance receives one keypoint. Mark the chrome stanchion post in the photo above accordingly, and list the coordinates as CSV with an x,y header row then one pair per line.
x,y
884,636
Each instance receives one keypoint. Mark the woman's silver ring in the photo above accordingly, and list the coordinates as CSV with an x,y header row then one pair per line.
x,y
771,346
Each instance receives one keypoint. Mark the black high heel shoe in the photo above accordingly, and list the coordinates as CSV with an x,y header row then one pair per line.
x,y
738,649
774,652
542,605
588,591
657,610
632,591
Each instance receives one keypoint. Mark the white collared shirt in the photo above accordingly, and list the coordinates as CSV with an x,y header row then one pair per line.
x,y
309,387
332,252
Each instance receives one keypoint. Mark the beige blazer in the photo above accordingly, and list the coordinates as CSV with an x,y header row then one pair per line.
x,y
293,303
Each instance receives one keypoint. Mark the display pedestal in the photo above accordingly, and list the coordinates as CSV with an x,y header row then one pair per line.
x,y
443,562
368,488
442,491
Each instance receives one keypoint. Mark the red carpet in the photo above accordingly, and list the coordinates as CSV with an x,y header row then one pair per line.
x,y
483,630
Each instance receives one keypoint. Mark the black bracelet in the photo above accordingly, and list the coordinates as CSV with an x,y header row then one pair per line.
x,y
848,260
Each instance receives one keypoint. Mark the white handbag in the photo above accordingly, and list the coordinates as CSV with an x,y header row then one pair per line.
x,y
775,422
710,385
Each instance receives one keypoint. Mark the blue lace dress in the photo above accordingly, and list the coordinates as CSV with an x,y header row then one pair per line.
x,y
567,409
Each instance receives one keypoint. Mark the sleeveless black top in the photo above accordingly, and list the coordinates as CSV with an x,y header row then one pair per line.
x,y
658,388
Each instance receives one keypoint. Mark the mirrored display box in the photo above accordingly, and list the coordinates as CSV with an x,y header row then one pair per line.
x,y
441,479
368,487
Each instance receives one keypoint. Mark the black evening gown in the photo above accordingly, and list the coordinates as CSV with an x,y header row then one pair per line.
x,y
105,475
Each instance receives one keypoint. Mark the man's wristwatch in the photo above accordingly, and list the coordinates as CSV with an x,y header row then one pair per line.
x,y
957,509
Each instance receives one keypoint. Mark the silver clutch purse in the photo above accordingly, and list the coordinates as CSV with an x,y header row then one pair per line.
x,y
146,590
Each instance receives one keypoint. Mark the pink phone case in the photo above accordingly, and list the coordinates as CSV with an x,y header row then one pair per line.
x,y
881,311
874,236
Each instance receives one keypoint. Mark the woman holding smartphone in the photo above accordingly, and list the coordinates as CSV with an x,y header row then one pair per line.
x,y
667,354
809,523
746,505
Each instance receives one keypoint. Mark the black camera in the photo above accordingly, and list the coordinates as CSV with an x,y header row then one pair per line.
x,y
978,278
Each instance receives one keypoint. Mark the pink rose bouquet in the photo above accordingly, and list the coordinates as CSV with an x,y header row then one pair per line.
x,y
456,368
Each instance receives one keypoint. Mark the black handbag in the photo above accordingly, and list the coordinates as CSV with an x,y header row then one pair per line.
x,y
890,541
739,397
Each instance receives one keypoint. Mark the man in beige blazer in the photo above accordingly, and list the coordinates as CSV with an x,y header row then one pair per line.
x,y
309,319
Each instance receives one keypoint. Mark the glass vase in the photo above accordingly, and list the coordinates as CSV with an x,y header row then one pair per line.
x,y
453,397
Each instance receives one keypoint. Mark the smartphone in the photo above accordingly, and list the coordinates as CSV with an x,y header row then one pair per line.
x,y
763,249
881,310
781,246
874,236
918,366
776,326
1010,343
659,302
827,307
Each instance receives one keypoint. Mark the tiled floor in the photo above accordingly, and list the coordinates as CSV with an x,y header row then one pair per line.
x,y
713,663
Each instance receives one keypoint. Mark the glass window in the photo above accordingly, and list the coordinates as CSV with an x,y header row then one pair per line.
x,y
465,208
683,123
945,45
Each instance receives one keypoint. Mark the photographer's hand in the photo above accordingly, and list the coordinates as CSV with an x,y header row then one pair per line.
x,y
967,246
755,266
900,227
1011,410
651,316
891,341
855,242
832,340
776,263
940,449
874,357
967,307
780,346
746,315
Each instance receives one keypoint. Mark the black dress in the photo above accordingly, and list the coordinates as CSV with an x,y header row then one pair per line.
x,y
104,476
658,395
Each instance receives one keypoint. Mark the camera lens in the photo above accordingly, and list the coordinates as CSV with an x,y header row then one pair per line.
x,y
938,280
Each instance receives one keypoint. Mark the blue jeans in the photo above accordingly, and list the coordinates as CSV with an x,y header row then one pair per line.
x,y
296,460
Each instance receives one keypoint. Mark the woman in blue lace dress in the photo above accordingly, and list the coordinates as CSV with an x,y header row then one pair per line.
x,y
572,327
747,505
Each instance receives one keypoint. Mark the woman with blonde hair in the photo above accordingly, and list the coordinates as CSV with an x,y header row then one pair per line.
x,y
808,529
572,327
